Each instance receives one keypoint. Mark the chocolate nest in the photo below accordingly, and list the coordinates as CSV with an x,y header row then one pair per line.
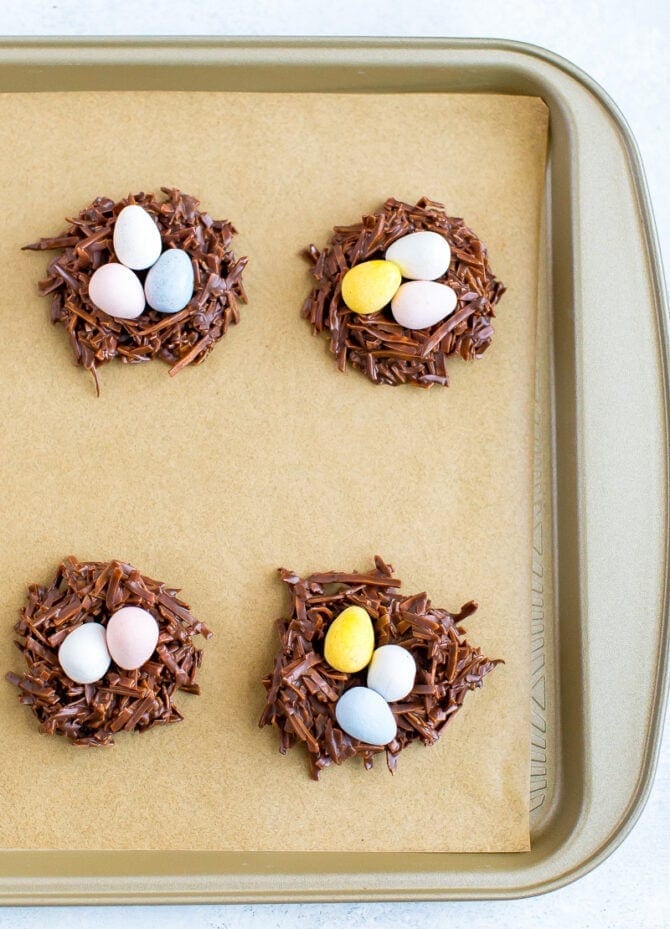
x,y
376,344
180,339
302,689
91,714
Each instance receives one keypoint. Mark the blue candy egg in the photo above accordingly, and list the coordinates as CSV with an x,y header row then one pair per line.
x,y
169,284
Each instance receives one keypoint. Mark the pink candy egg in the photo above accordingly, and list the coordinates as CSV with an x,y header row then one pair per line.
x,y
117,291
132,636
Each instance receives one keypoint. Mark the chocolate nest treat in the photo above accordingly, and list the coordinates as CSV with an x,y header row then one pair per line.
x,y
179,337
304,690
383,340
84,595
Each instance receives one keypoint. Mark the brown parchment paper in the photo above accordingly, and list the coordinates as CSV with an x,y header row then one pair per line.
x,y
267,456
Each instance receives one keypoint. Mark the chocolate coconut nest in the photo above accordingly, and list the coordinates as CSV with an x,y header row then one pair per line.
x,y
121,701
376,344
302,689
180,339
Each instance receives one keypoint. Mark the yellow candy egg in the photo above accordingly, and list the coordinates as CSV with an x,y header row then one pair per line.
x,y
369,286
350,640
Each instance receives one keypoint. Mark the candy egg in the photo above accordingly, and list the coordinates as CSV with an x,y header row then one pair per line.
x,y
369,286
419,304
83,654
117,291
421,256
169,284
137,239
350,640
392,671
132,636
365,715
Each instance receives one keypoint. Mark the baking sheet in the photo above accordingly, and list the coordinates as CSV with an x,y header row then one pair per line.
x,y
267,456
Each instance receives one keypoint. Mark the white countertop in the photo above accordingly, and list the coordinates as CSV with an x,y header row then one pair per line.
x,y
626,48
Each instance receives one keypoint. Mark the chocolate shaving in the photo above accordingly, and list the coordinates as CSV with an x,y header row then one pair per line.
x,y
180,338
303,688
90,714
376,344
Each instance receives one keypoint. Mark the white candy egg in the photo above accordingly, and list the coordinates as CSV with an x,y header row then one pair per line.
x,y
137,239
83,654
365,715
391,672
421,256
117,291
420,304
132,636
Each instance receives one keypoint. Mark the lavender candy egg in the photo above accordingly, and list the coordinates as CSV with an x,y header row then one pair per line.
x,y
169,284
420,304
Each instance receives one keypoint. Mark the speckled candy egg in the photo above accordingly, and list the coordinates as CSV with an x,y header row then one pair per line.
x,y
391,672
83,654
364,714
132,636
137,239
169,284
117,291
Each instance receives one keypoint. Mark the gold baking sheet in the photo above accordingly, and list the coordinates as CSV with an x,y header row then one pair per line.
x,y
266,455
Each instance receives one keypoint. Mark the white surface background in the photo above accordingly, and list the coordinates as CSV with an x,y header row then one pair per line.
x,y
624,46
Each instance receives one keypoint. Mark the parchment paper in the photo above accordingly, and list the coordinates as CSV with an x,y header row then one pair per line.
x,y
267,456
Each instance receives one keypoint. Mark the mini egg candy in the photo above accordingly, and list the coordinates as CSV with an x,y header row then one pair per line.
x,y
117,291
350,640
421,256
391,672
169,284
420,304
83,654
132,636
369,286
137,239
365,715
